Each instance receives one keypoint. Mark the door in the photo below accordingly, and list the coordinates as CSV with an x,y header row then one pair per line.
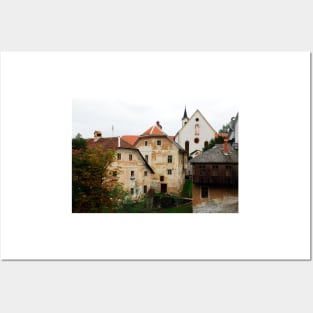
x,y
163,188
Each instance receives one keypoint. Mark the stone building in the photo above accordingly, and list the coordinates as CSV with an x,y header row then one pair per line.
x,y
130,168
195,133
166,157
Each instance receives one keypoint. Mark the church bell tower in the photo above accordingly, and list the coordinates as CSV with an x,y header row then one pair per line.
x,y
185,118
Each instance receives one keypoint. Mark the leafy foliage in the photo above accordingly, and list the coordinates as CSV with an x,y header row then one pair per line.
x,y
94,189
225,128
213,142
79,142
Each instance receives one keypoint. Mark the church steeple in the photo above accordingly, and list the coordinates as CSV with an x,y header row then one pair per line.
x,y
185,118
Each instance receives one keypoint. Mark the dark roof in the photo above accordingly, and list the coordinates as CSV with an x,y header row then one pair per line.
x,y
185,114
232,126
216,155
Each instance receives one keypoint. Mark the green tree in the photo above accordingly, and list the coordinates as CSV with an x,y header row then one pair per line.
x,y
94,188
224,129
79,142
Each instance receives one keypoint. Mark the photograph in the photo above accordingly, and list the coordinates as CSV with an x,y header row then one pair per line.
x,y
133,155
193,171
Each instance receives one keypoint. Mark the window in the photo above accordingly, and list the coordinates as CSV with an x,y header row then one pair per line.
x,y
228,170
145,189
146,157
161,178
202,170
131,191
132,173
204,192
119,156
146,173
197,129
206,144
146,142
114,173
169,172
197,119
196,140
159,142
215,170
130,157
169,159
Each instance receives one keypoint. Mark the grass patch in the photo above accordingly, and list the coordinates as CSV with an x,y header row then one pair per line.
x,y
187,190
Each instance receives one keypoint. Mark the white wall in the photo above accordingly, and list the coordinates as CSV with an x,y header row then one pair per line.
x,y
206,133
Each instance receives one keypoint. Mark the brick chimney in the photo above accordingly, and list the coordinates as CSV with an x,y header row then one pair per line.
x,y
225,146
158,124
97,134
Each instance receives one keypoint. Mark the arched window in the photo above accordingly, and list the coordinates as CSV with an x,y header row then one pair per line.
x,y
197,129
196,140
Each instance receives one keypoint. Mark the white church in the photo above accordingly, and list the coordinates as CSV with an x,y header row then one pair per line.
x,y
195,134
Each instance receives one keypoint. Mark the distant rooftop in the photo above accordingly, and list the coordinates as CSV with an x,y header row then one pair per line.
x,y
109,143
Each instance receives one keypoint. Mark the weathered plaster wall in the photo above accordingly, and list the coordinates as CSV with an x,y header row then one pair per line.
x,y
158,160
126,166
219,200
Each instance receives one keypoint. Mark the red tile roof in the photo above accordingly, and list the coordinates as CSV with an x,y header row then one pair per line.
x,y
130,138
154,131
224,135
110,143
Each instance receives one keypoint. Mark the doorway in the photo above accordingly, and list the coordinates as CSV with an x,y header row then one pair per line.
x,y
163,188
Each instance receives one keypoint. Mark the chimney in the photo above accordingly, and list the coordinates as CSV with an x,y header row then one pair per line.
x,y
158,124
225,146
97,134
118,141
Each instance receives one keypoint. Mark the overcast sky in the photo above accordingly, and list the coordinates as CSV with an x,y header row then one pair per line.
x,y
133,90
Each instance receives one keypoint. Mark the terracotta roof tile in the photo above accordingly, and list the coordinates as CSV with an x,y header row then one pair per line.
x,y
130,138
154,131
224,135
110,143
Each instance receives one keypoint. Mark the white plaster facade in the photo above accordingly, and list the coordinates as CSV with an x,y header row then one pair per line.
x,y
196,132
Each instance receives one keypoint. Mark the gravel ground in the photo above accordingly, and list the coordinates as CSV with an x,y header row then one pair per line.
x,y
227,205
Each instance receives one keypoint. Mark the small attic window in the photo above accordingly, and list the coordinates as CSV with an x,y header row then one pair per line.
x,y
159,142
197,119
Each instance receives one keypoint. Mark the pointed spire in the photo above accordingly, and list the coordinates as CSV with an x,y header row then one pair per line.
x,y
185,114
